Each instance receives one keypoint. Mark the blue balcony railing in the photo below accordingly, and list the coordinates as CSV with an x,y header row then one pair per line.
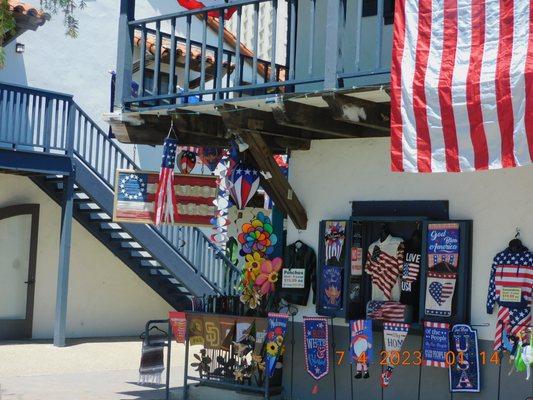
x,y
328,44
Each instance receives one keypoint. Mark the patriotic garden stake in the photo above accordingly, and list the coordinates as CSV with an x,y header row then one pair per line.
x,y
316,347
393,335
165,197
361,346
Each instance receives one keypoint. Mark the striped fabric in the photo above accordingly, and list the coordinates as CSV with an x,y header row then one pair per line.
x,y
384,266
386,311
461,87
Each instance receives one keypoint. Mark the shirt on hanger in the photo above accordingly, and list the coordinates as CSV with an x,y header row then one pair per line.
x,y
298,274
410,275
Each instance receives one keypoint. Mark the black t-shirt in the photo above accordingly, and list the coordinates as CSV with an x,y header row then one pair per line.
x,y
410,276
298,274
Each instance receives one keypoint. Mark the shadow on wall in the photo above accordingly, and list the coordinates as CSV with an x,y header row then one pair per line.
x,y
14,70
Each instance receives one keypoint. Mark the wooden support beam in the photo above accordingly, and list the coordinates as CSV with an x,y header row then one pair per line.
x,y
277,186
318,119
357,111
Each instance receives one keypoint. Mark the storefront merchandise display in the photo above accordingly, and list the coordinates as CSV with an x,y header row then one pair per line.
x,y
386,311
394,335
332,286
316,346
361,346
410,276
464,371
510,286
436,344
277,327
298,274
334,241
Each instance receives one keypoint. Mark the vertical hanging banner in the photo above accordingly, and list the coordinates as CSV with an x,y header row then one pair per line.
x,y
332,287
195,325
436,344
439,293
212,335
334,241
464,373
277,327
178,324
394,335
316,346
361,346
443,244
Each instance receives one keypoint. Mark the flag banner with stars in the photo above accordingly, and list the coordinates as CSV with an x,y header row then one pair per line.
x,y
165,199
394,335
439,293
135,193
443,244
277,327
436,344
464,373
316,346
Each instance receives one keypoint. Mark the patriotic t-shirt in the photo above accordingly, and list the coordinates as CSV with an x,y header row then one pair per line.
x,y
409,280
384,264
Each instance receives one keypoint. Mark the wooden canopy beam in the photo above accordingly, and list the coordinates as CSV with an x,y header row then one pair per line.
x,y
276,185
357,111
318,119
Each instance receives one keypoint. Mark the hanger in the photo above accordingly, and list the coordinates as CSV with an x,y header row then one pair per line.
x,y
143,335
516,245
298,244
384,233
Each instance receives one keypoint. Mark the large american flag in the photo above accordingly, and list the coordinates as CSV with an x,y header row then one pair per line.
x,y
461,85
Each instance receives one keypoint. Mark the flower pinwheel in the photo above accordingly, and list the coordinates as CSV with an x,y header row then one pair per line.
x,y
269,275
252,267
250,296
258,236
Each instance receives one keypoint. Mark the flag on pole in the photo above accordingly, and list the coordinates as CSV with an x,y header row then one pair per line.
x,y
165,197
195,5
461,85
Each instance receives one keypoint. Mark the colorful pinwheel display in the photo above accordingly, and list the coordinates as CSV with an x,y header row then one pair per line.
x,y
258,236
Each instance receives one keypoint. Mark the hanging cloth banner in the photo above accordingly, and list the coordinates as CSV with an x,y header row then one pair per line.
x,y
361,346
464,373
436,344
165,197
316,346
332,287
394,335
439,293
212,335
178,324
195,329
277,327
261,326
334,240
443,244
227,331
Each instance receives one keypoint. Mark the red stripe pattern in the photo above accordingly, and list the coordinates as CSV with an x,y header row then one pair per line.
x,y
461,85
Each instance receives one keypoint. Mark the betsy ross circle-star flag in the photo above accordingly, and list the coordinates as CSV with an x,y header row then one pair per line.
x,y
196,5
461,85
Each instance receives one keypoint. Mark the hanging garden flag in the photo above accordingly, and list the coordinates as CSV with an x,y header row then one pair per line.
x,y
393,335
165,197
244,182
195,329
443,244
277,327
436,344
316,346
331,287
334,239
196,5
439,293
178,324
464,373
361,346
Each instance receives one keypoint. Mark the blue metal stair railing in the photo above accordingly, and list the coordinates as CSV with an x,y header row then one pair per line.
x,y
43,121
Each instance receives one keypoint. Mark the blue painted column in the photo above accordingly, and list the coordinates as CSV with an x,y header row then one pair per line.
x,y
124,52
64,261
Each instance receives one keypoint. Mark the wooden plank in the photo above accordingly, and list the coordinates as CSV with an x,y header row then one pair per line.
x,y
277,186
357,111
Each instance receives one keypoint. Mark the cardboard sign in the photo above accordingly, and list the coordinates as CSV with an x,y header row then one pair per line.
x,y
135,197
293,278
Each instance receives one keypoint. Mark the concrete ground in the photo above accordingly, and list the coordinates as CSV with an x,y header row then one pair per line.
x,y
97,369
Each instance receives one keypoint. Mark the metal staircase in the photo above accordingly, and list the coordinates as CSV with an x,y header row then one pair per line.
x,y
176,262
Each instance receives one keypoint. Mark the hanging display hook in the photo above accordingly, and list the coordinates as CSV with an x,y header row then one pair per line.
x,y
517,234
171,130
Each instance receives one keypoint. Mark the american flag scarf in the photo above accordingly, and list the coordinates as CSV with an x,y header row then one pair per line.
x,y
461,85
165,197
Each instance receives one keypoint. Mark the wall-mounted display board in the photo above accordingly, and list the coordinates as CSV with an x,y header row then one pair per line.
x,y
400,267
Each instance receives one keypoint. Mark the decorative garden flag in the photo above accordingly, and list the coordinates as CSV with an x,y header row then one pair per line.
x,y
165,197
334,239
393,335
464,373
436,344
178,324
316,346
361,346
461,85
443,244
332,287
277,327
439,293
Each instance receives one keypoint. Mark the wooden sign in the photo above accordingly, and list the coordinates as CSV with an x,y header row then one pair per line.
x,y
135,195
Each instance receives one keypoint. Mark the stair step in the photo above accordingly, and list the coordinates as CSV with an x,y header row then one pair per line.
x,y
80,196
140,254
130,245
120,236
110,226
99,216
89,207
150,263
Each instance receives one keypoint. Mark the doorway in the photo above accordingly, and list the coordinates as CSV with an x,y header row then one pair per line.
x,y
19,227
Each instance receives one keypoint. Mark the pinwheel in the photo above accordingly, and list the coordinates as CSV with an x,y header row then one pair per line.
x,y
258,236
244,181
269,275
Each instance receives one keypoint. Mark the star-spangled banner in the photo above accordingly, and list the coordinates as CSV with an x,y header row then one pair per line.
x,y
316,346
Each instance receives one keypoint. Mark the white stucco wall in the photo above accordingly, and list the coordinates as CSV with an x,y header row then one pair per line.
x,y
105,297
335,172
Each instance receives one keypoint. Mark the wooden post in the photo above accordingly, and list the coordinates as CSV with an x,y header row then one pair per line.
x,y
332,51
64,261
124,52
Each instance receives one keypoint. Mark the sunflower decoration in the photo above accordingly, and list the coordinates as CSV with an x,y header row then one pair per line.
x,y
251,296
272,348
203,364
258,236
252,267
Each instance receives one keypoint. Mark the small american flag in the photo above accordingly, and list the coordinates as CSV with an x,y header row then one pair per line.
x,y
165,198
461,85
386,311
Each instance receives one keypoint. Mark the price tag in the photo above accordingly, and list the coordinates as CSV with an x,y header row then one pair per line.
x,y
293,278
511,294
